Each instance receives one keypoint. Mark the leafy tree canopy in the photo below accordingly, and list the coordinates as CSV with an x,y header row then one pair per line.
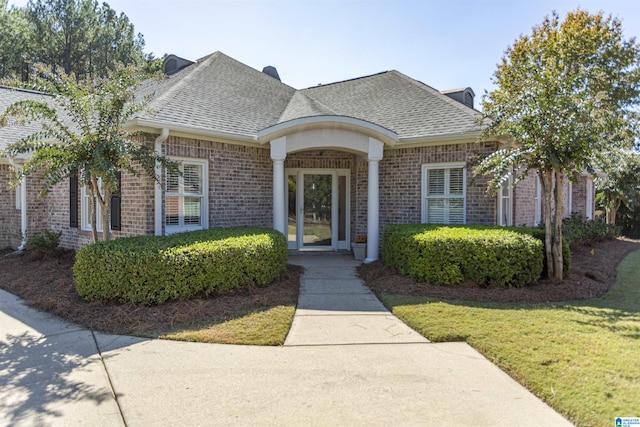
x,y
83,130
81,37
565,92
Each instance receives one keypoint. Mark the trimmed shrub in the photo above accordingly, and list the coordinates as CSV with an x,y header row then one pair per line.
x,y
154,269
447,255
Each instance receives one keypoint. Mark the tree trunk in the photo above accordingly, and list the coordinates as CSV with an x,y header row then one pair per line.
x,y
546,181
613,212
558,270
106,207
92,211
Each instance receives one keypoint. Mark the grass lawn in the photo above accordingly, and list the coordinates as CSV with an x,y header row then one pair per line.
x,y
582,358
267,327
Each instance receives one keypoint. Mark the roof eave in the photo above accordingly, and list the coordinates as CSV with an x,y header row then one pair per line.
x,y
301,124
196,131
449,138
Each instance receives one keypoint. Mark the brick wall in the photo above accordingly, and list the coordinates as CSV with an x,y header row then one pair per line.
x,y
524,200
9,215
240,180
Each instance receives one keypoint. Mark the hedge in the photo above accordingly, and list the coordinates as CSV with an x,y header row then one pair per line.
x,y
447,255
152,270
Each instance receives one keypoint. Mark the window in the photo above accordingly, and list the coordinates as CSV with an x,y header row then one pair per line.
x,y
443,193
537,216
589,210
185,201
505,206
85,206
19,197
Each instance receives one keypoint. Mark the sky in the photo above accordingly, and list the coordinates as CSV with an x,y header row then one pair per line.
x,y
446,44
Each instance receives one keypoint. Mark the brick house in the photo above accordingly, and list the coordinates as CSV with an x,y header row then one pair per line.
x,y
322,165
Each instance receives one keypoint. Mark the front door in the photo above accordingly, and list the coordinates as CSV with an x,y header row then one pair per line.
x,y
317,209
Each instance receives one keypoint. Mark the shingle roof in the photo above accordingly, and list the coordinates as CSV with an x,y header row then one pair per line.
x,y
220,94
14,132
397,102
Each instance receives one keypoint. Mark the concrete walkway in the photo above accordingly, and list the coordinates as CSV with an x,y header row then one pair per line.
x,y
335,307
347,361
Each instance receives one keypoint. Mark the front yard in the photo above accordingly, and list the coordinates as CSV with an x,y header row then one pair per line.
x,y
580,357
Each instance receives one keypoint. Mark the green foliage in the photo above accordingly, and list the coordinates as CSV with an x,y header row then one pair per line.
x,y
618,186
447,255
83,130
581,231
152,270
81,37
565,92
44,242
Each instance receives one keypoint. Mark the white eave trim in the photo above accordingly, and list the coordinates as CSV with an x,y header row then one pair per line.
x,y
192,130
450,138
328,121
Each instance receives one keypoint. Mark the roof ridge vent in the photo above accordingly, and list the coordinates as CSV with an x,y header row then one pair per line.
x,y
270,70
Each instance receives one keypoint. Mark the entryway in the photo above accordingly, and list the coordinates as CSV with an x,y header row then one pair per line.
x,y
318,210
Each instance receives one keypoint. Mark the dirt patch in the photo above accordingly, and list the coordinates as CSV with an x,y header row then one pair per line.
x,y
46,283
592,275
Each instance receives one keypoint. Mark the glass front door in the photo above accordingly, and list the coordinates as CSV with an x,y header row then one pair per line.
x,y
317,209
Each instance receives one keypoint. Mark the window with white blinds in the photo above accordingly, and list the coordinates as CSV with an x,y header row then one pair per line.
x,y
444,189
185,197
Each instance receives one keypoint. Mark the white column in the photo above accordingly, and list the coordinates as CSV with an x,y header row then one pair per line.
x,y
278,155
373,200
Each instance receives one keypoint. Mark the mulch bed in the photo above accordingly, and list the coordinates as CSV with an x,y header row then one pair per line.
x,y
46,283
592,275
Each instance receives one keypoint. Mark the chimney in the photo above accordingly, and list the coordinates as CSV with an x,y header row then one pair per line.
x,y
271,71
464,96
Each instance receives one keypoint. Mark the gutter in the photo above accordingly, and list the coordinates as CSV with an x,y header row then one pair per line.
x,y
157,147
23,206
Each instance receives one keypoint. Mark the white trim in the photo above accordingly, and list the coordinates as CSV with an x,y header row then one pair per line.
x,y
589,207
18,191
299,173
158,219
509,198
328,122
204,206
190,130
447,167
569,201
537,201
85,212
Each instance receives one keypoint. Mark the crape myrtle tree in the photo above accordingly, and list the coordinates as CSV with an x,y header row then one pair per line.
x,y
83,134
619,183
566,92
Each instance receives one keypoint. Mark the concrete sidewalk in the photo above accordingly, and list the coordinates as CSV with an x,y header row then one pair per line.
x,y
54,373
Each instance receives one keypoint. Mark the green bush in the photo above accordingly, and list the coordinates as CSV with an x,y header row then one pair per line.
x,y
581,231
45,242
152,270
447,255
